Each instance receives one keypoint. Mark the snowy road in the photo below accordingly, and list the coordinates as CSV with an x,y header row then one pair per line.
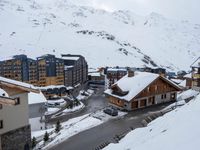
x,y
95,137
94,103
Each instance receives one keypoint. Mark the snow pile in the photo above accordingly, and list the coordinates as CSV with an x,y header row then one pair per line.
x,y
58,102
51,110
177,130
35,98
75,108
84,94
187,94
72,127
14,82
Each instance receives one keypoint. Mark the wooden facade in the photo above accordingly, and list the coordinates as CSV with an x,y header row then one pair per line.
x,y
159,91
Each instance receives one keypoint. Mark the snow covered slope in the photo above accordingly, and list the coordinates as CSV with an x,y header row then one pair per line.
x,y
36,27
177,130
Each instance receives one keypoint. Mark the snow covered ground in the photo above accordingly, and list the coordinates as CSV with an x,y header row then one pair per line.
x,y
36,124
119,38
74,126
74,109
83,95
176,130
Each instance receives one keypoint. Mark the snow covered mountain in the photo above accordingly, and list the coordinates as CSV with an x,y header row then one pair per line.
x,y
36,27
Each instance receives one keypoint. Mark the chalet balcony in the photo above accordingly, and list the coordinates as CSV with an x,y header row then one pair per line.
x,y
119,93
7,101
196,76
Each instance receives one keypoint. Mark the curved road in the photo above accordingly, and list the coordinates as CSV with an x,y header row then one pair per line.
x,y
94,138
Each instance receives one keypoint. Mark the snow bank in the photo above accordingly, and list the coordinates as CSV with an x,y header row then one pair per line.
x,y
177,130
187,94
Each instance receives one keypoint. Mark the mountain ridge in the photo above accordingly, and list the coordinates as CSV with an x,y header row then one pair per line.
x,y
34,28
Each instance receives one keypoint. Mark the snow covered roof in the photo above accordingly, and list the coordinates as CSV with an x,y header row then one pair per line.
x,y
18,84
134,85
189,75
96,74
55,86
183,83
71,57
35,98
116,69
177,81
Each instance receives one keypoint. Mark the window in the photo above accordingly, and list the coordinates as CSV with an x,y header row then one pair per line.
x,y
17,100
162,96
1,124
173,96
165,96
156,88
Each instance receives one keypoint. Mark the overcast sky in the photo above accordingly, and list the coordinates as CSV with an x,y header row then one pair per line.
x,y
176,9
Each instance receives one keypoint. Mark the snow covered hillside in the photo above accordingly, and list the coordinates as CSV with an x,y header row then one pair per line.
x,y
177,130
36,27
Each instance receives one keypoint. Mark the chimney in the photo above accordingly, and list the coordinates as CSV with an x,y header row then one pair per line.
x,y
131,72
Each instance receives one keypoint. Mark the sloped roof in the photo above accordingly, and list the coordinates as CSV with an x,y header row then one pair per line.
x,y
134,85
17,84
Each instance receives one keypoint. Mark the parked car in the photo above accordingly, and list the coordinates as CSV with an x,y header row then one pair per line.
x,y
111,111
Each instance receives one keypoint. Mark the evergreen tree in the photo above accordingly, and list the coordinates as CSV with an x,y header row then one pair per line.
x,y
58,126
34,142
46,136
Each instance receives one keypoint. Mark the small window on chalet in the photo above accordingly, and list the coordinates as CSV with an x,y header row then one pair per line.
x,y
165,96
17,100
1,124
162,96
156,88
148,89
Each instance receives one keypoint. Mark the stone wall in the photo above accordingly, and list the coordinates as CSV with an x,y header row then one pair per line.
x,y
17,139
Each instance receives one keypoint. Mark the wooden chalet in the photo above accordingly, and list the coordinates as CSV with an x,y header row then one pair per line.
x,y
141,89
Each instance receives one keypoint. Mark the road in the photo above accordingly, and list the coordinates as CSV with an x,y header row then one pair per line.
x,y
95,102
105,133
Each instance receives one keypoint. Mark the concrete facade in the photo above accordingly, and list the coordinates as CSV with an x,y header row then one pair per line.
x,y
16,130
15,116
18,139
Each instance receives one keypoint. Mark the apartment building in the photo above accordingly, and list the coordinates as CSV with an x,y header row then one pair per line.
x,y
46,70
19,68
50,70
75,70
112,75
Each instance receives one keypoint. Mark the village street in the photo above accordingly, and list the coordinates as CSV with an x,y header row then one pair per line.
x,y
96,102
107,132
